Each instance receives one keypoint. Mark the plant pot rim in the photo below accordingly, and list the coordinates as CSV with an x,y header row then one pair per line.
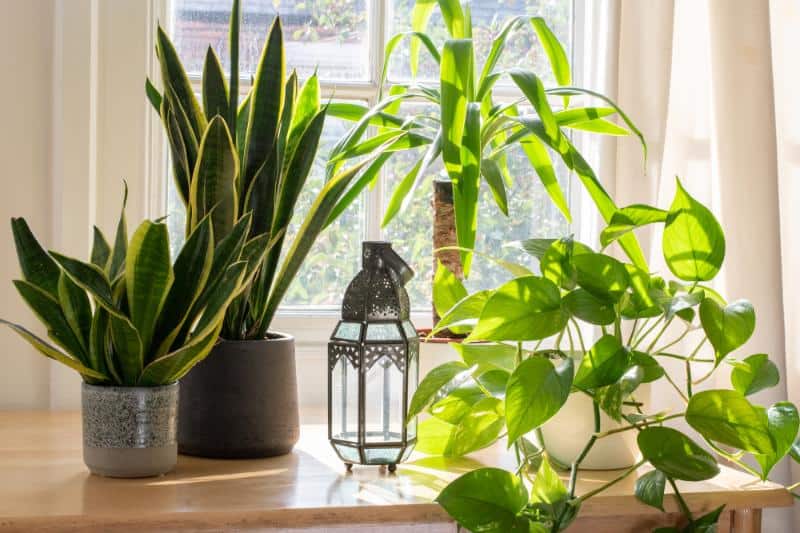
x,y
129,388
272,336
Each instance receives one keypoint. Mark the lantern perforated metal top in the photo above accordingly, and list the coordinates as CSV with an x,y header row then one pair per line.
x,y
373,363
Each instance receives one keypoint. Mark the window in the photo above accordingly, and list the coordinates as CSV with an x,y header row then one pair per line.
x,y
344,39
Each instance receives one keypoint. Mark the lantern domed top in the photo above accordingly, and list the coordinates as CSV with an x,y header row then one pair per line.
x,y
378,292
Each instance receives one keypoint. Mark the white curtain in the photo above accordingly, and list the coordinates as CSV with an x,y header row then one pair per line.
x,y
697,78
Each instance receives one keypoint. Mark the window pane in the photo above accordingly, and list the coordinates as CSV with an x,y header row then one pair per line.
x,y
334,257
531,214
488,16
328,34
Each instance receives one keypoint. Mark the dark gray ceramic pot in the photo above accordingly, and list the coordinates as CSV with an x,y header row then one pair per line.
x,y
241,401
130,431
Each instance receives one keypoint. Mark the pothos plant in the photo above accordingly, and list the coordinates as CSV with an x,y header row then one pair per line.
x,y
463,123
526,353
130,316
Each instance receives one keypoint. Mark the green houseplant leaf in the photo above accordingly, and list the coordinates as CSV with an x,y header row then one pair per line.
x,y
727,327
527,308
725,416
535,392
783,423
487,499
649,489
753,374
676,455
432,383
693,242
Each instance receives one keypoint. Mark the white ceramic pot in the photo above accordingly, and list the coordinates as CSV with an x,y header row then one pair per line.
x,y
566,434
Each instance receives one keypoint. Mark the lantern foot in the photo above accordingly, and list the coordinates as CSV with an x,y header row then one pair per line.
x,y
349,466
392,468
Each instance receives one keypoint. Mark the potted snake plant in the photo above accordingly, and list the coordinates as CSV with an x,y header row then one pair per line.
x,y
131,322
516,382
233,161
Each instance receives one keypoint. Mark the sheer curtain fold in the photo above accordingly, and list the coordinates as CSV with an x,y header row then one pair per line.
x,y
704,80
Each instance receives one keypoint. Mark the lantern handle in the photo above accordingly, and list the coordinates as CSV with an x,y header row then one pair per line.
x,y
396,264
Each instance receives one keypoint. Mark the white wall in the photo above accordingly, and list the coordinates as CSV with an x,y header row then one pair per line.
x,y
26,78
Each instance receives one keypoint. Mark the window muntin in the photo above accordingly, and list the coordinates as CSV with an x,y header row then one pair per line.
x,y
358,42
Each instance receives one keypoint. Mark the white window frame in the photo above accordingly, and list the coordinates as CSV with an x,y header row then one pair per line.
x,y
317,323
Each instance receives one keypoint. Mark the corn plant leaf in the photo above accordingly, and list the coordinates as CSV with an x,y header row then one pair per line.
x,y
416,38
38,268
576,115
448,290
368,177
191,271
498,44
49,312
101,250
533,89
54,353
77,311
266,105
176,80
420,15
466,188
215,89
493,175
355,112
540,159
555,52
456,77
213,183
454,19
601,126
628,219
401,191
693,242
148,276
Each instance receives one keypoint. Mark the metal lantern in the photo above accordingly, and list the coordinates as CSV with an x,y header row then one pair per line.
x,y
373,364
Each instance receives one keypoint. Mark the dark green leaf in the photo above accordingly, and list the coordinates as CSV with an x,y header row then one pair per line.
x,y
215,89
466,188
101,251
487,500
77,311
128,349
581,304
649,489
37,267
175,78
494,179
676,455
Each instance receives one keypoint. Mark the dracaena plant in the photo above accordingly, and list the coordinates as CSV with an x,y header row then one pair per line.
x,y
232,159
469,131
526,353
130,316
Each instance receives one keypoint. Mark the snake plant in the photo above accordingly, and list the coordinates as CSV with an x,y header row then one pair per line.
x,y
470,131
232,159
130,316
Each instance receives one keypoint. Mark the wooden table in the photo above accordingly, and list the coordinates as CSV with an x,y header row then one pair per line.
x,y
44,486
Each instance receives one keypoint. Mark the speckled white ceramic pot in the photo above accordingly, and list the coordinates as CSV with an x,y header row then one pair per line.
x,y
130,431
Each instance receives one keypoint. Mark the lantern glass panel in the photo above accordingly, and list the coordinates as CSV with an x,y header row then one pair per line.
x,y
413,380
377,456
410,331
348,453
383,332
383,408
344,402
349,331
